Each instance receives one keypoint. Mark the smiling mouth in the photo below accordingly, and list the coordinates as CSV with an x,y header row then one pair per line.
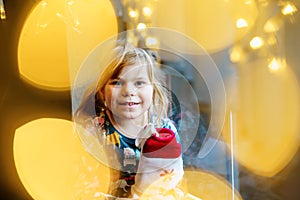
x,y
129,103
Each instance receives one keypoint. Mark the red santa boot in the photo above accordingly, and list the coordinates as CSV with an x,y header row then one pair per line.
x,y
160,162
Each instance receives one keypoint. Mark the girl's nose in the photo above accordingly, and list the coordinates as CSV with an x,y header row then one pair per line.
x,y
129,90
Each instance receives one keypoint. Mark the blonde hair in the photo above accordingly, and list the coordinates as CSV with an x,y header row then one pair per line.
x,y
127,55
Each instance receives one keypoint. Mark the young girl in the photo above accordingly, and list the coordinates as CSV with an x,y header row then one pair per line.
x,y
130,99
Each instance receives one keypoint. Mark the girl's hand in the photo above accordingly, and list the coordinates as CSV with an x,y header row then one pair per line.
x,y
144,134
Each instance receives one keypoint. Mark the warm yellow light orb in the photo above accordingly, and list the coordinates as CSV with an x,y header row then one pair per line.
x,y
210,186
289,9
133,14
147,11
141,26
211,23
273,24
196,185
256,42
241,23
276,64
43,44
236,54
266,115
52,163
2,11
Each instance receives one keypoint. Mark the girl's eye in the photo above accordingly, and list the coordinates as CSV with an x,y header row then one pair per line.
x,y
140,83
116,82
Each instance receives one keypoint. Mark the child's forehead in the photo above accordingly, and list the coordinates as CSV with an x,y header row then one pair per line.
x,y
134,70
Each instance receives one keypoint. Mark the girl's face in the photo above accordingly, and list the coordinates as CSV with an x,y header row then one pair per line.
x,y
129,96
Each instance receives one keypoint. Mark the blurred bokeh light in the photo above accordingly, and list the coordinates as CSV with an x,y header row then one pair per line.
x,y
214,24
43,49
265,117
52,163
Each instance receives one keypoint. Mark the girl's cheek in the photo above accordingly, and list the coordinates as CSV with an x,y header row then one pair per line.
x,y
108,92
